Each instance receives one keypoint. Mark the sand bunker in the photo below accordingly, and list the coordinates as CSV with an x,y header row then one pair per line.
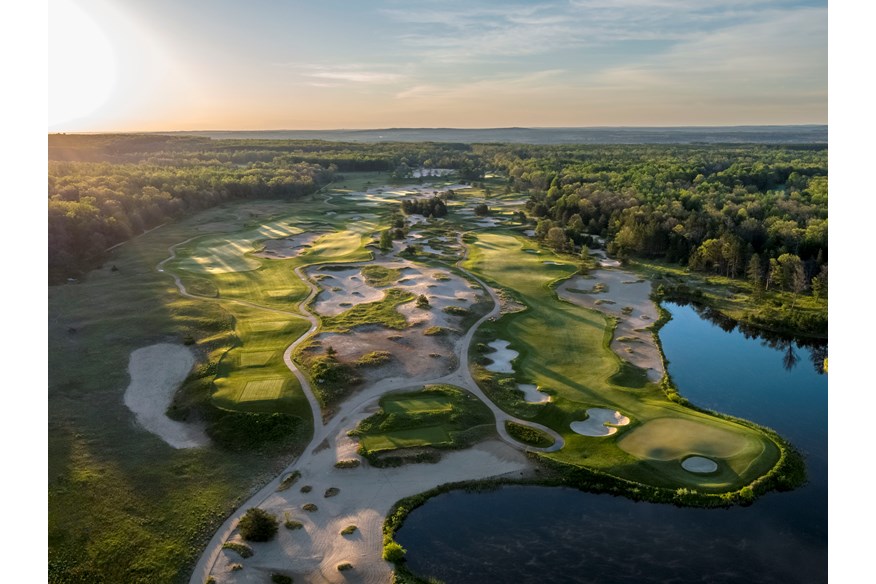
x,y
597,422
699,464
532,395
156,373
502,357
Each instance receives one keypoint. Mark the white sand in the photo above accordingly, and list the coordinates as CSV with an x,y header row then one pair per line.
x,y
699,464
529,233
532,395
597,422
501,357
342,289
366,494
156,373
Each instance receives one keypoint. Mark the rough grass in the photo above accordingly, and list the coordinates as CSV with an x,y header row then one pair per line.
x,y
374,359
437,416
565,347
381,276
382,312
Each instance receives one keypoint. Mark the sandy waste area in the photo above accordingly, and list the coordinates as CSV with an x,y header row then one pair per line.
x,y
156,373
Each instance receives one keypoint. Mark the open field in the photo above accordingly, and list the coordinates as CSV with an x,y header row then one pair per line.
x,y
563,348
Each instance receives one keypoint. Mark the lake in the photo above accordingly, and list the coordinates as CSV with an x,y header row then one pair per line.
x,y
555,535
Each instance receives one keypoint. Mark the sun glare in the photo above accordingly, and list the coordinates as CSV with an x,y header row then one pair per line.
x,y
82,64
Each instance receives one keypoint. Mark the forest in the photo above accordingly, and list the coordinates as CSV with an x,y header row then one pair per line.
x,y
751,212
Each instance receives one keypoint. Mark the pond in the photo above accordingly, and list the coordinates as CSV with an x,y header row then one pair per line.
x,y
541,534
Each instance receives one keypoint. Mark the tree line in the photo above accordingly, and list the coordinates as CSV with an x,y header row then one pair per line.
x,y
756,212
105,189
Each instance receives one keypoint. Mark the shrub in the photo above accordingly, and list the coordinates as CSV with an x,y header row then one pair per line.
x,y
374,359
291,523
347,463
306,489
348,530
242,549
331,492
422,301
393,552
281,579
310,507
343,567
258,525
289,480
236,567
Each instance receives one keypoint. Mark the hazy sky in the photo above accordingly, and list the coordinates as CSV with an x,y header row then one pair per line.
x,y
274,64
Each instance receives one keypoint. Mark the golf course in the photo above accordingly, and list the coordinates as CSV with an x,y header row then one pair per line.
x,y
386,354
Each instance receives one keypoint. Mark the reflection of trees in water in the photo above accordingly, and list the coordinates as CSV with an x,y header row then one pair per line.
x,y
789,358
787,345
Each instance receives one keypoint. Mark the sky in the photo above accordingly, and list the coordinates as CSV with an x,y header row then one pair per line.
x,y
160,65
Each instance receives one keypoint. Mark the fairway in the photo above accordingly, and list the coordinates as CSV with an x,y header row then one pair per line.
x,y
262,390
255,358
426,436
418,405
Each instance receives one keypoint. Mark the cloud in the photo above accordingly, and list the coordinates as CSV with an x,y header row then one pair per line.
x,y
463,32
357,76
506,85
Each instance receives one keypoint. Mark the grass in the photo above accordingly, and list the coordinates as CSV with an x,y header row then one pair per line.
x,y
382,312
381,275
438,416
123,506
565,347
528,435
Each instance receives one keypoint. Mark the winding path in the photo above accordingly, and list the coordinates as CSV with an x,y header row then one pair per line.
x,y
364,398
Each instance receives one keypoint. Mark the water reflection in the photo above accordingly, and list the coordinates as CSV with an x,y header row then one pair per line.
x,y
785,344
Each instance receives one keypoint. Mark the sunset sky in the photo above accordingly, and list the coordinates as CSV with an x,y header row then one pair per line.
x,y
152,65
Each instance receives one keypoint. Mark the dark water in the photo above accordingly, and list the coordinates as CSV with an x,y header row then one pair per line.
x,y
551,535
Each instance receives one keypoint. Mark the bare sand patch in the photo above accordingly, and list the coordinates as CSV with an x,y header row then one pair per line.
x,y
628,299
312,554
341,289
501,357
156,373
532,395
699,464
600,422
414,355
